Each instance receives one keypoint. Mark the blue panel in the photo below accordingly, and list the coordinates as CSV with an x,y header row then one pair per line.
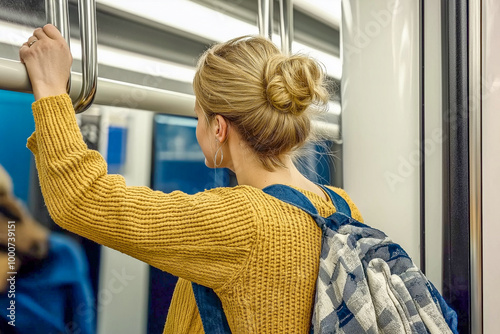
x,y
117,148
178,164
316,163
16,125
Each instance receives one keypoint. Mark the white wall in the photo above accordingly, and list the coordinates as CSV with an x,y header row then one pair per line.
x,y
433,143
380,122
491,163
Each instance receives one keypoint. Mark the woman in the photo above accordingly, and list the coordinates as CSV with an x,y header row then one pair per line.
x,y
259,254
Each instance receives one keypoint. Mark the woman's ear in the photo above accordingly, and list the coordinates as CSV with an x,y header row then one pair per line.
x,y
221,128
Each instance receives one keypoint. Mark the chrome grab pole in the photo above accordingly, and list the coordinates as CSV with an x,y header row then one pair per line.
x,y
265,19
57,13
131,96
88,33
475,165
286,25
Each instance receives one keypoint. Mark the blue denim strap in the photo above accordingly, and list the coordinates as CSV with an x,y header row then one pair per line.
x,y
210,307
291,196
296,198
340,204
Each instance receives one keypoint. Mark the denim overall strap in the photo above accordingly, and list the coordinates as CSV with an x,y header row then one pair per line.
x,y
291,196
210,307
340,204
296,198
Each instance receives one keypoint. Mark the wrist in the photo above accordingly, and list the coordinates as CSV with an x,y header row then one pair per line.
x,y
41,92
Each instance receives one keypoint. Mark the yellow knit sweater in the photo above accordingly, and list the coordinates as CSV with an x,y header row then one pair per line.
x,y
259,254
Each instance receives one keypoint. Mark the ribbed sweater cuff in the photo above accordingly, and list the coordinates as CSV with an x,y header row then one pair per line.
x,y
56,129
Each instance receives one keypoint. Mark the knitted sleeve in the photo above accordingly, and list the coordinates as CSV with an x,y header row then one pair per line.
x,y
205,238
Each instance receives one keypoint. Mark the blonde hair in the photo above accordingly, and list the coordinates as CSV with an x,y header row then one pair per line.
x,y
263,93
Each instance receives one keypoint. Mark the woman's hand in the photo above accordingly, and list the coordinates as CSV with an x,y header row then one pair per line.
x,y
48,61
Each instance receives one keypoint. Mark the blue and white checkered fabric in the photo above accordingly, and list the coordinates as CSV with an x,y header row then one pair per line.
x,y
368,284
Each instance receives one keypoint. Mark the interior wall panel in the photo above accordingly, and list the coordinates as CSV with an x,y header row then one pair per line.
x,y
380,115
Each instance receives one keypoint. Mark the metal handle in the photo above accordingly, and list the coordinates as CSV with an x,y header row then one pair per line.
x,y
265,20
57,13
286,25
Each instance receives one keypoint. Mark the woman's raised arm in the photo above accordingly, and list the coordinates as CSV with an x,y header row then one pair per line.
x,y
204,238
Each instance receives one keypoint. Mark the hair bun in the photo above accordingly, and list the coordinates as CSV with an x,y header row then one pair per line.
x,y
293,83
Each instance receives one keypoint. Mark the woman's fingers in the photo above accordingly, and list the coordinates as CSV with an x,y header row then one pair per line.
x,y
51,31
39,33
48,61
23,47
48,31
23,51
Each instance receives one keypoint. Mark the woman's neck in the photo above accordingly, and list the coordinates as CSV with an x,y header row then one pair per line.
x,y
249,169
251,172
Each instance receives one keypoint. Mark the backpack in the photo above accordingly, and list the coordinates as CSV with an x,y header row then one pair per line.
x,y
366,283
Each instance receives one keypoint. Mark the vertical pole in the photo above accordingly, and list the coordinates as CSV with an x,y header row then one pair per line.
x,y
265,19
57,13
88,32
475,164
286,25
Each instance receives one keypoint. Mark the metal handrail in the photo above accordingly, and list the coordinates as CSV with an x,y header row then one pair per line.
x,y
57,13
132,96
265,18
286,25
